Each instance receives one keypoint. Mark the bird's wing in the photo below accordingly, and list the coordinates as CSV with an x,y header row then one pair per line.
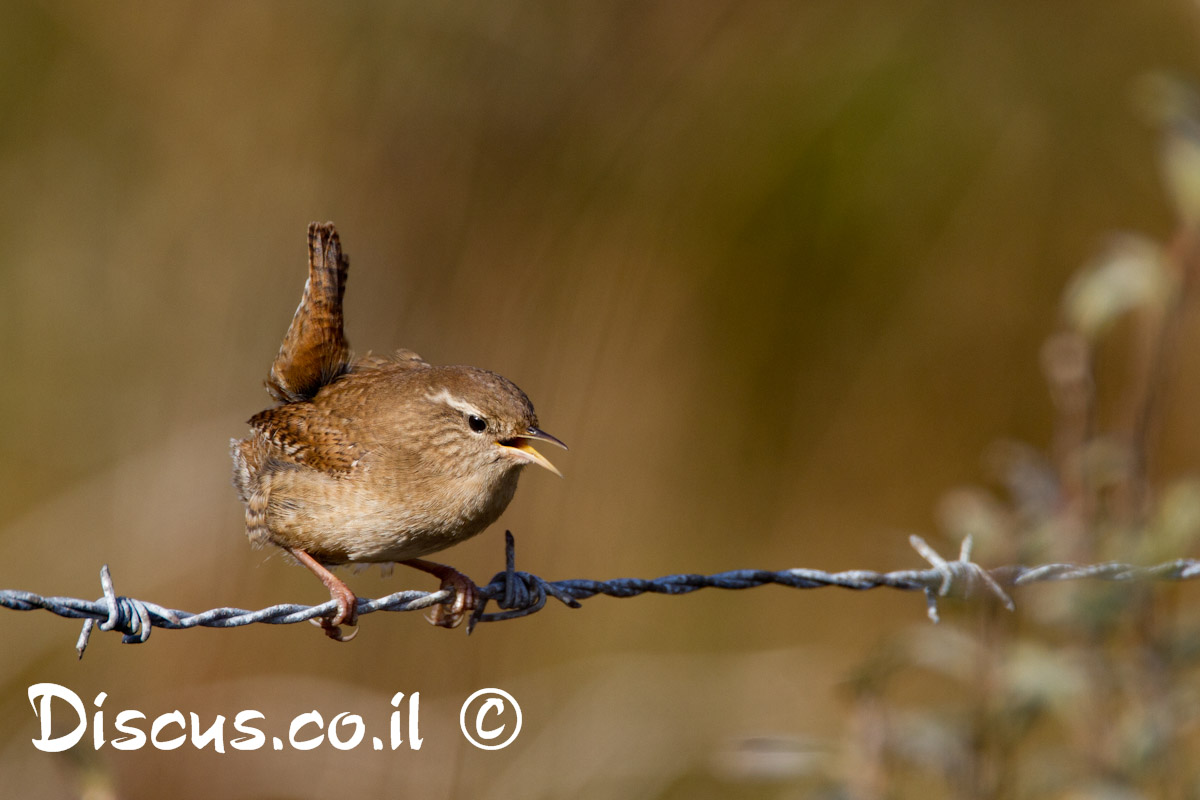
x,y
314,351
301,433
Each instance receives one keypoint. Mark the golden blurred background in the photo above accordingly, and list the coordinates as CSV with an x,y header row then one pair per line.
x,y
778,273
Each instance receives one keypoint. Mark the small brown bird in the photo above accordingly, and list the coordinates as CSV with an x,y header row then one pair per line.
x,y
376,459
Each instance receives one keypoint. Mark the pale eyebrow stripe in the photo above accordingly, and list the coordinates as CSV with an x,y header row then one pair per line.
x,y
444,396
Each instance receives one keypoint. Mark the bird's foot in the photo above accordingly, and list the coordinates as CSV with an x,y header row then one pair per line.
x,y
339,592
466,598
466,593
346,614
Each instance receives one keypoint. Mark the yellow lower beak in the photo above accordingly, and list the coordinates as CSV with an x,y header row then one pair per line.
x,y
527,452
522,447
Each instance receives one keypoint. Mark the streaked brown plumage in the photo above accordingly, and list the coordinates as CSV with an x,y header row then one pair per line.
x,y
376,459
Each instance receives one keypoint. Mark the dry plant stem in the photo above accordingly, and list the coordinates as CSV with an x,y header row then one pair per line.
x,y
1155,617
1183,258
347,603
993,754
1154,692
867,778
1069,362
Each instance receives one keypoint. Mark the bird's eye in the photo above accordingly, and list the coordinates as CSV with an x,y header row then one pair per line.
x,y
477,424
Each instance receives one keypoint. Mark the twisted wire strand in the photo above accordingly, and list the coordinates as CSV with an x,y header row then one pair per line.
x,y
519,593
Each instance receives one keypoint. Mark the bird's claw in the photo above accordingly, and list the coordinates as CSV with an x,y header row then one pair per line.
x,y
346,614
334,631
466,598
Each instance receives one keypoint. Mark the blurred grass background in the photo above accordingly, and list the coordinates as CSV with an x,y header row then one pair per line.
x,y
778,274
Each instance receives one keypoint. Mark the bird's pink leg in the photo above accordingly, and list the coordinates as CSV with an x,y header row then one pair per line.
x,y
347,603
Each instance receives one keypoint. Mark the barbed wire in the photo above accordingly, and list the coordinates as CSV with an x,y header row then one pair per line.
x,y
519,593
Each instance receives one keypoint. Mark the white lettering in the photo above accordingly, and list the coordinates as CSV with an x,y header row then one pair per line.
x,y
215,733
311,718
256,740
176,718
360,730
47,692
136,738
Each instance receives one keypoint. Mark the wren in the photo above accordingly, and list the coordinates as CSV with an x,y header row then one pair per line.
x,y
377,459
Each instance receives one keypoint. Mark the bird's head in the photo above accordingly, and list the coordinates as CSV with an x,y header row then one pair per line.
x,y
484,422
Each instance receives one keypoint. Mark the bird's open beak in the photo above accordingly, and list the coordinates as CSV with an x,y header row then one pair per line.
x,y
523,448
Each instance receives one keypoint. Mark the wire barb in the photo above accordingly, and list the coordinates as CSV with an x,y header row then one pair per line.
x,y
519,593
959,578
